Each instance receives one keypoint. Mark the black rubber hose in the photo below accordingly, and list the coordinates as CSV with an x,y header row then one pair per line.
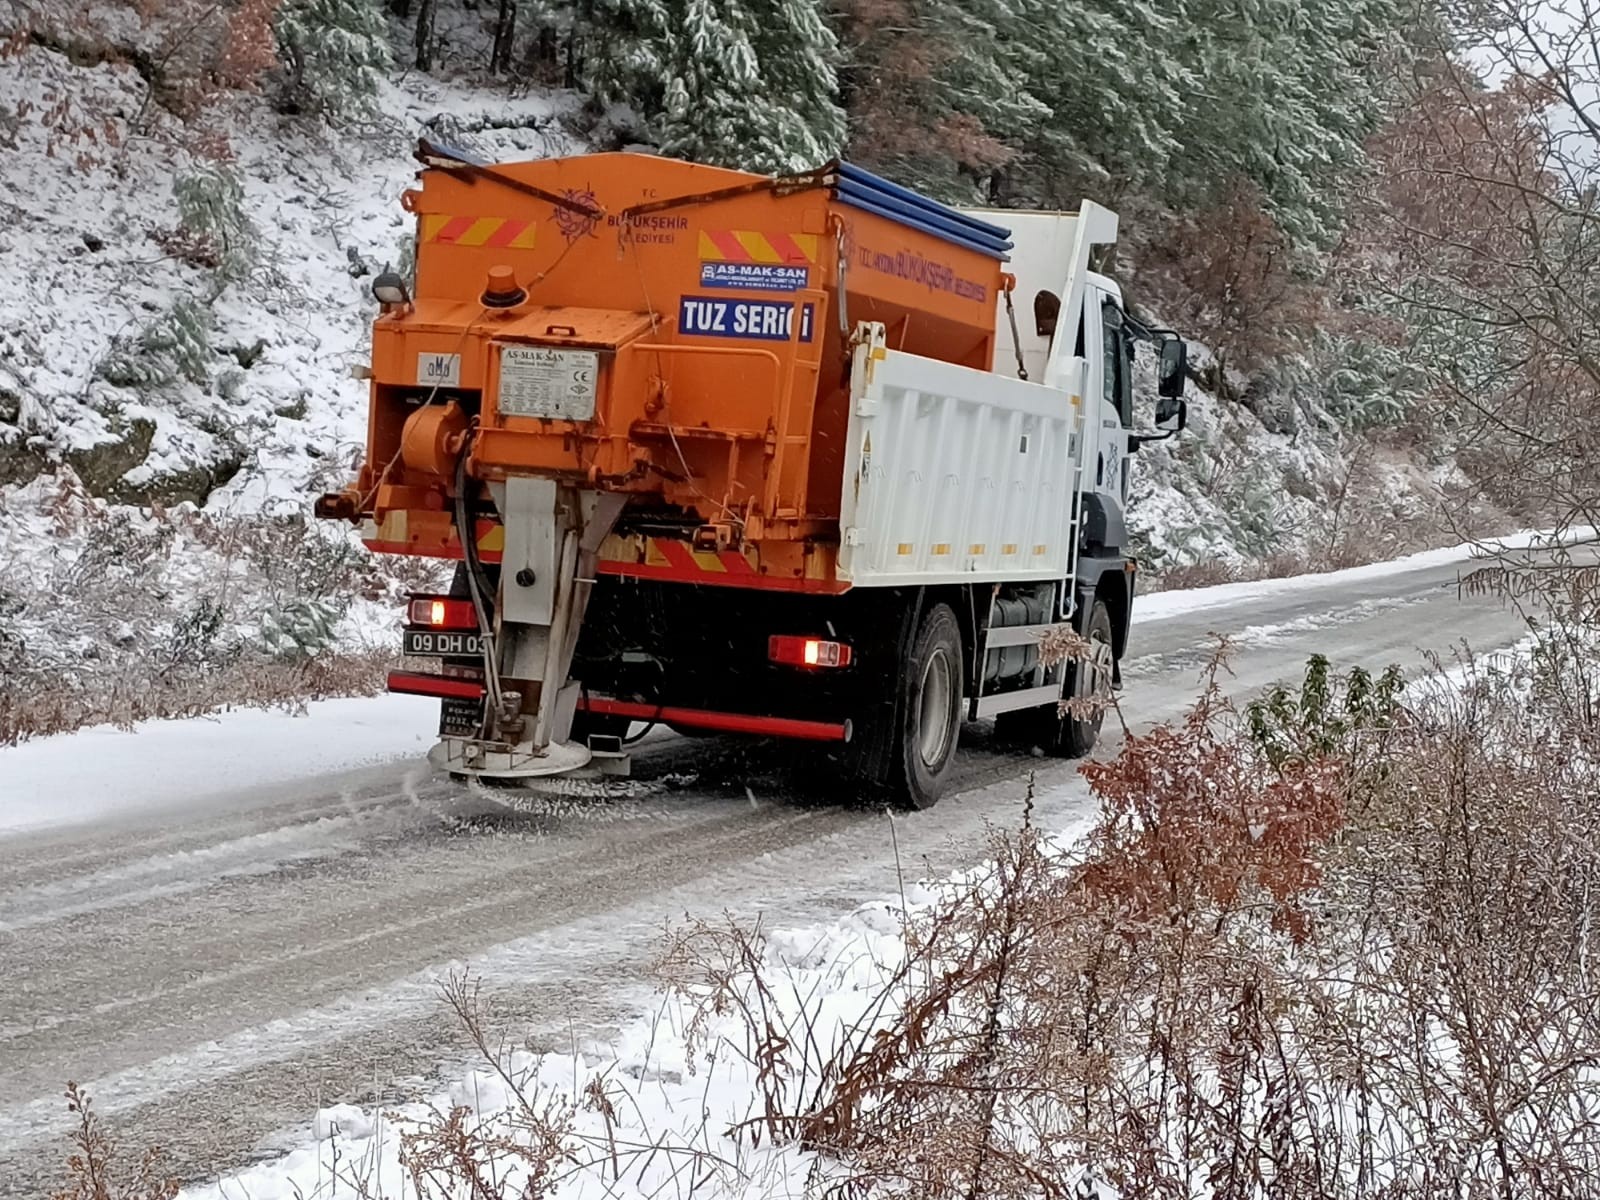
x,y
478,587
469,541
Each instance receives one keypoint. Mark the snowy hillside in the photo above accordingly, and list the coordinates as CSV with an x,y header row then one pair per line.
x,y
167,412
107,358
1231,498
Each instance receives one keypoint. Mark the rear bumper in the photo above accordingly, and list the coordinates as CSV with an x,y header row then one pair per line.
x,y
720,722
445,687
441,687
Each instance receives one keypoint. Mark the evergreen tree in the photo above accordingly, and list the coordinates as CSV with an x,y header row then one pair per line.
x,y
1117,80
334,54
740,83
939,90
1038,101
1289,90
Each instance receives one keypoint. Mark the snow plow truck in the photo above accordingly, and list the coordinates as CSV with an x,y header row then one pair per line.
x,y
809,457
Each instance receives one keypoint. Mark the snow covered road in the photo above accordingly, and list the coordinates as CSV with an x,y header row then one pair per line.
x,y
216,963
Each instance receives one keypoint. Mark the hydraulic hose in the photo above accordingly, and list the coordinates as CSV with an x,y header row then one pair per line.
x,y
477,587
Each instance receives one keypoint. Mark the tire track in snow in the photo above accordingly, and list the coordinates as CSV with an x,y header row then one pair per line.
x,y
49,855
375,926
540,955
181,871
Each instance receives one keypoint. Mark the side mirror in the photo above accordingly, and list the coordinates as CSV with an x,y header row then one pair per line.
x,y
1174,370
1172,414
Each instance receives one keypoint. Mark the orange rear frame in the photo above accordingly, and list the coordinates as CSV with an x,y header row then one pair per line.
x,y
711,302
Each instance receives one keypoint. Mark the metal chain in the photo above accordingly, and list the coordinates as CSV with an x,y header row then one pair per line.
x,y
1016,341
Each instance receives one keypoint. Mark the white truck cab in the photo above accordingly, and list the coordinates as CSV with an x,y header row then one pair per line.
x,y
1048,262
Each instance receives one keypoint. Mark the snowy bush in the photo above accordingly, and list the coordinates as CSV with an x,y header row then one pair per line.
x,y
230,385
212,220
335,54
163,611
298,558
198,636
175,346
300,628
1361,383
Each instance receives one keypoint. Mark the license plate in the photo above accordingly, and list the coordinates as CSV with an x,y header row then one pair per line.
x,y
460,718
430,644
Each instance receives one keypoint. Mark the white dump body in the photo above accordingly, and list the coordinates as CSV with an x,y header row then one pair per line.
x,y
957,475
954,475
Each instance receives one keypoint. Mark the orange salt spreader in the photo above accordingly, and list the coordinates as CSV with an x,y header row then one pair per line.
x,y
642,326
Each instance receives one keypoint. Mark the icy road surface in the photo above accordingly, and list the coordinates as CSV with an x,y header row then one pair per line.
x,y
214,964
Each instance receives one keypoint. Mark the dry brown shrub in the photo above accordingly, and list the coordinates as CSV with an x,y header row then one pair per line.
x,y
1339,949
533,1146
1015,1046
192,57
196,249
710,964
1205,573
96,1169
1481,227
1234,282
1467,1025
172,601
126,698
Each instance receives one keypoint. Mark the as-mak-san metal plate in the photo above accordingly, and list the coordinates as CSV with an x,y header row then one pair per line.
x,y
544,381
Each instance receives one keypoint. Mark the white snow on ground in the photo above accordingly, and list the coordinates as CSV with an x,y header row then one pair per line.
x,y
673,1094
1453,675
1166,604
101,772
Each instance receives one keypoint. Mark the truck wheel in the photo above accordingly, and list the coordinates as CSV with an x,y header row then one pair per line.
x,y
1061,734
930,712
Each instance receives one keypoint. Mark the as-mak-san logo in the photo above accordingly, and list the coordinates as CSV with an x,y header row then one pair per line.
x,y
753,277
764,320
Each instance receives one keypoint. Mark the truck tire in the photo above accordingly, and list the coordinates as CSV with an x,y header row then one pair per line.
x,y
929,720
1048,728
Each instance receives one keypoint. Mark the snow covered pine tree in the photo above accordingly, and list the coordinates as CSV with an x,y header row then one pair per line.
x,y
739,83
334,55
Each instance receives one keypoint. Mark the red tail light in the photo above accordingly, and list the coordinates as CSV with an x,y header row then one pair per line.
x,y
793,651
441,612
